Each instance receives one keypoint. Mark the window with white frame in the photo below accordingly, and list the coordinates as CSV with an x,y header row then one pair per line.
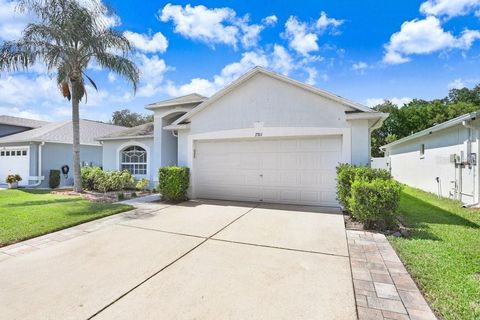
x,y
134,160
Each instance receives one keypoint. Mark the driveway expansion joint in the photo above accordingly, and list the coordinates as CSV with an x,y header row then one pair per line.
x,y
279,248
168,265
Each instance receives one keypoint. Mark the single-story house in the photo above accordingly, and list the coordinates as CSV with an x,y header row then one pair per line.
x,y
441,159
264,137
32,148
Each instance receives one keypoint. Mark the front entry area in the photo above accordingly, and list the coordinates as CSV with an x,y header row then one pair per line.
x,y
298,170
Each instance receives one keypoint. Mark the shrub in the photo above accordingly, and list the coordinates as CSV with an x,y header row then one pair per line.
x,y
120,196
89,176
54,179
347,174
173,183
142,184
375,202
94,178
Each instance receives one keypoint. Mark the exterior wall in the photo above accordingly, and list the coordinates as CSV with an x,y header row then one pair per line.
x,y
56,155
265,102
169,146
111,154
407,166
6,130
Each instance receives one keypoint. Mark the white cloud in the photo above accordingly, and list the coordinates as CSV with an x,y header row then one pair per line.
x,y
324,22
211,26
146,43
281,60
423,37
23,113
303,37
449,8
299,36
312,76
457,84
270,20
372,102
360,67
112,77
152,71
12,22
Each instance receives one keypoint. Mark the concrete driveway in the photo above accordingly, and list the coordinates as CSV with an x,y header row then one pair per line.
x,y
195,260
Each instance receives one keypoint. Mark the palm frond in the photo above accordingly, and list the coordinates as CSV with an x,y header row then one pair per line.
x,y
119,65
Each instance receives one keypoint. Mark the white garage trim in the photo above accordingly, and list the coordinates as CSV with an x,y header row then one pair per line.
x,y
269,132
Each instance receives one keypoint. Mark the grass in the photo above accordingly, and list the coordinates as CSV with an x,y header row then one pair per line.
x,y
26,214
442,253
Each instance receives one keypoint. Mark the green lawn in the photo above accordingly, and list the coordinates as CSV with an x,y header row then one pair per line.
x,y
443,252
29,213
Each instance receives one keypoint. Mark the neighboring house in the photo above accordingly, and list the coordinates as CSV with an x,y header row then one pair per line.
x,y
10,125
265,137
33,152
441,159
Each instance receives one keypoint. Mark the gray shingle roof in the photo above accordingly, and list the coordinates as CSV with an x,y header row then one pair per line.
x,y
21,122
193,98
62,132
143,130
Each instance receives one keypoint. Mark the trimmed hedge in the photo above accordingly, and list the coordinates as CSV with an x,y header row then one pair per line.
x,y
94,178
54,179
370,195
347,173
375,202
173,183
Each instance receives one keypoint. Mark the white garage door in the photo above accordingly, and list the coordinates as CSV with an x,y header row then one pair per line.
x,y
295,171
15,160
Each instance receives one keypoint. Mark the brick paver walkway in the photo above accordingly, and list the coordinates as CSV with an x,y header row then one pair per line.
x,y
383,287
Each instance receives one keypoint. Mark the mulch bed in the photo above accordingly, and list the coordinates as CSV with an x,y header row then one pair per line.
x,y
94,196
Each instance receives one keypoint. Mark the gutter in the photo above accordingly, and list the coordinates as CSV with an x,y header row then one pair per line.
x,y
476,188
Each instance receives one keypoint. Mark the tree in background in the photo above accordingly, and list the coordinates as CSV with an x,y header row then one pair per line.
x,y
126,118
418,115
67,37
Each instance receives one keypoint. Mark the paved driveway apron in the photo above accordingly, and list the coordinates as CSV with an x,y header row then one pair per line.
x,y
195,260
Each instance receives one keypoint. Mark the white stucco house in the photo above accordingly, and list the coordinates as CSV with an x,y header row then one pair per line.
x,y
441,159
264,137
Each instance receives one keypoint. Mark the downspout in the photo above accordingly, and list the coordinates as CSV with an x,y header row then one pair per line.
x,y
476,189
39,177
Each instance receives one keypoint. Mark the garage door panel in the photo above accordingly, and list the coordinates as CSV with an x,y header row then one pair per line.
x,y
295,170
15,160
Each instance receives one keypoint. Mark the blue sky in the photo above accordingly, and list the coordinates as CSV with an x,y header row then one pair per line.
x,y
363,50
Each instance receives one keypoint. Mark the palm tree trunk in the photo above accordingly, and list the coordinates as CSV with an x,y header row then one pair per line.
x,y
77,179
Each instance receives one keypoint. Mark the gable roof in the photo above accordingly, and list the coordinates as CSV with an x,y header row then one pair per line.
x,y
62,132
261,70
21,122
444,125
193,98
141,131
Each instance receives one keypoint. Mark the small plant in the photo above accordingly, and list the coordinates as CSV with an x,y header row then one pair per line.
x,y
173,183
54,179
142,184
12,178
120,196
134,194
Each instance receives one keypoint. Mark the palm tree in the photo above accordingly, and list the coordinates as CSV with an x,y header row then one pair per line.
x,y
67,37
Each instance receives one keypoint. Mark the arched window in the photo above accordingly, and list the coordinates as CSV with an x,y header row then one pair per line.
x,y
134,159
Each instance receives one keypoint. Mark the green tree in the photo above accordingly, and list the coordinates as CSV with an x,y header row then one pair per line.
x,y
126,118
67,37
